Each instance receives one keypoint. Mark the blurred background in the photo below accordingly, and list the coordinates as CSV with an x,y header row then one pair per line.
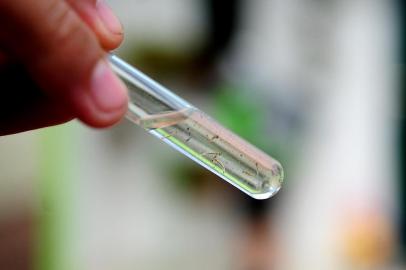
x,y
319,85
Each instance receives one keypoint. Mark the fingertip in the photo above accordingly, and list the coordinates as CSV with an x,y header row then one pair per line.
x,y
102,20
97,119
110,20
106,100
114,35
108,92
110,41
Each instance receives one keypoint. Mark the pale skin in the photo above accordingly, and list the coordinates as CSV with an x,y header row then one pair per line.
x,y
59,49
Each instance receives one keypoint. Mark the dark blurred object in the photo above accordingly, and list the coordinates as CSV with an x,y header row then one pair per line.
x,y
223,21
16,242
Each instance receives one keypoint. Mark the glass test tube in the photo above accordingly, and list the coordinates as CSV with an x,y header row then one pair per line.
x,y
197,136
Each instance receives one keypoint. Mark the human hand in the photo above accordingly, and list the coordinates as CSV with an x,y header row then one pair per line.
x,y
53,67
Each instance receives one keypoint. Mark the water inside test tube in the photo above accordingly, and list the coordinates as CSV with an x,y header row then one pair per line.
x,y
204,140
196,135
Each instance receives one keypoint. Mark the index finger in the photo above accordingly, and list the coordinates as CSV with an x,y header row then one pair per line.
x,y
101,19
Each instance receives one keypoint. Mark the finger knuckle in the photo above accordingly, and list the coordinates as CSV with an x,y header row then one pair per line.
x,y
67,30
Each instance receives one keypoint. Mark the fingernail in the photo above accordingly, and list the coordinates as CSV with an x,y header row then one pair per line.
x,y
107,91
109,19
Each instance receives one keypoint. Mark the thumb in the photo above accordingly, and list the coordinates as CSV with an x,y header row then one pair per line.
x,y
64,57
